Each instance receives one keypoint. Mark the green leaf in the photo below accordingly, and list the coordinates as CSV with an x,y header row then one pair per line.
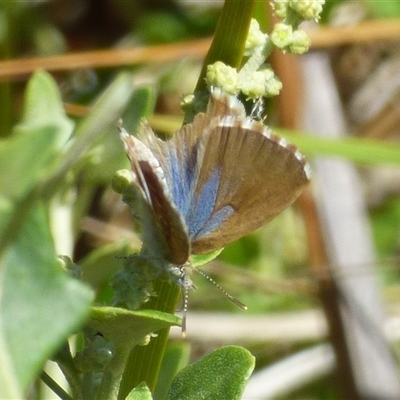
x,y
109,148
141,105
383,9
104,113
127,328
140,392
43,107
102,263
40,305
10,388
23,157
176,357
144,362
200,259
220,375
364,151
26,155
43,130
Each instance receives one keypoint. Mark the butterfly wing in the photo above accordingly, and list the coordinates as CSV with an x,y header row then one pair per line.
x,y
164,231
218,179
247,177
222,104
181,157
166,173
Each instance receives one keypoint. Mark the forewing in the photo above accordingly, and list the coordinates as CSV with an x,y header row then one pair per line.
x,y
181,157
162,219
221,177
247,177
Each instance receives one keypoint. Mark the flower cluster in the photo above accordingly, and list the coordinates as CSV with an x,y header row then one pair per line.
x,y
286,35
305,9
256,79
286,39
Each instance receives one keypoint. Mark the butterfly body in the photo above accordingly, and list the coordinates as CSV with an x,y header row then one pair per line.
x,y
217,179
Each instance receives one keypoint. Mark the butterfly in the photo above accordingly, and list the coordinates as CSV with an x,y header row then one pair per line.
x,y
216,180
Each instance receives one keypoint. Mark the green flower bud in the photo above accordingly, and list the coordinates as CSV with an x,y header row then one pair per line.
x,y
223,76
280,8
307,9
281,35
255,87
262,83
96,354
255,37
273,87
300,43
132,285
122,180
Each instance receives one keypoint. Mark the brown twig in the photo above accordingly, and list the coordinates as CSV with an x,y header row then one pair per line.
x,y
322,37
104,58
368,31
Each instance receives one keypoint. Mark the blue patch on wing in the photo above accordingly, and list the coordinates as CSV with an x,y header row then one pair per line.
x,y
215,222
196,211
198,219
183,172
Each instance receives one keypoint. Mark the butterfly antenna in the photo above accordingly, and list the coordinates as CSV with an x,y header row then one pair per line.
x,y
221,289
185,308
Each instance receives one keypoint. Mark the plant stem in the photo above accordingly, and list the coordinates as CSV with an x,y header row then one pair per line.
x,y
66,364
112,376
229,38
55,387
144,361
